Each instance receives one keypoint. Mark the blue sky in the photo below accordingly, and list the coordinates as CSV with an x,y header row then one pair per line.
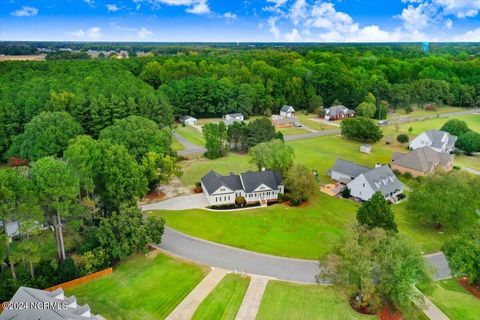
x,y
241,20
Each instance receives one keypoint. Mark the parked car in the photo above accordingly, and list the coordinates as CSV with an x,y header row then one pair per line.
x,y
382,122
297,124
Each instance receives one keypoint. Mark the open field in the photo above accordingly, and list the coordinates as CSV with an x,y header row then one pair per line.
x,y
422,112
191,134
225,300
293,301
37,57
455,301
140,288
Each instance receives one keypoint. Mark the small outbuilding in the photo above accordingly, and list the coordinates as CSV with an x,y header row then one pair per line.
x,y
188,120
228,119
287,111
366,148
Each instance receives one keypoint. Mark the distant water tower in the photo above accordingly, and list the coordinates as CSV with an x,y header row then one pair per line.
x,y
425,47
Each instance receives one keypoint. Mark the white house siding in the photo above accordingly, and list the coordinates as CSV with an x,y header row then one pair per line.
x,y
420,141
360,188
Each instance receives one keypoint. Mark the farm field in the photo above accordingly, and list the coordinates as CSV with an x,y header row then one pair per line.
x,y
294,301
225,300
140,288
456,302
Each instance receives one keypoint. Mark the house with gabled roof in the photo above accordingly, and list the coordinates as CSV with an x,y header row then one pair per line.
x,y
40,304
338,112
260,186
188,120
287,111
439,141
422,161
364,182
230,118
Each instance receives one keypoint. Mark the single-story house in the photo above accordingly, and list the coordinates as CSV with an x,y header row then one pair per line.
x,y
366,148
287,111
188,120
228,119
439,141
261,186
338,113
422,161
12,229
279,121
60,307
363,182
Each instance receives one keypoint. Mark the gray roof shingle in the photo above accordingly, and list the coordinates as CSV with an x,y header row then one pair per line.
x,y
382,179
422,159
349,168
334,110
286,107
247,181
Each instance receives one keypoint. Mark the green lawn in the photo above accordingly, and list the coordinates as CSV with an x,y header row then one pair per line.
x,y
225,300
176,145
291,131
195,169
293,301
455,301
191,134
422,112
304,232
468,161
309,121
140,288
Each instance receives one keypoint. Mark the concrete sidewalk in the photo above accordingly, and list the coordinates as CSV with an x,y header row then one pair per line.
x,y
187,307
431,310
251,302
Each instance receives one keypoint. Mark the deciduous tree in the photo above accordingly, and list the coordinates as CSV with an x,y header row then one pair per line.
x,y
275,155
376,213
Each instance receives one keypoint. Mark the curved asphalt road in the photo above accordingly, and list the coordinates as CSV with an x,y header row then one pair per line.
x,y
222,256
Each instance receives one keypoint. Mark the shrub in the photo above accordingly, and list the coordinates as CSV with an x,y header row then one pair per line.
x,y
295,202
281,197
431,107
407,175
402,138
396,172
268,113
240,201
408,109
93,261
346,193
17,162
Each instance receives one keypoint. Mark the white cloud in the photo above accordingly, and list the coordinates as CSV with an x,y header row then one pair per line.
x,y
272,22
89,2
416,18
112,7
144,33
448,23
193,6
298,11
93,33
201,7
25,11
293,36
459,8
277,3
230,16
469,36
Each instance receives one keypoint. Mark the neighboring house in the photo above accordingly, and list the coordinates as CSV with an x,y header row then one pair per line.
x,y
381,179
228,119
439,141
11,228
260,186
422,161
364,182
50,305
279,121
287,111
188,120
338,113
366,148
345,171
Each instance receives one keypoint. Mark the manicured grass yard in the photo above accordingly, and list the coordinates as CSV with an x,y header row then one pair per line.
x,y
176,145
225,300
468,161
293,301
191,134
422,113
309,120
291,131
455,301
305,232
140,288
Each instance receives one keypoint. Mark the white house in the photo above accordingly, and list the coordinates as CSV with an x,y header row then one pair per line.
x,y
381,179
439,141
228,119
188,120
287,111
261,186
363,182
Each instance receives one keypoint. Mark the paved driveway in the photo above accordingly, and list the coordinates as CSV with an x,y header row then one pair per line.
x,y
190,148
193,201
230,258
